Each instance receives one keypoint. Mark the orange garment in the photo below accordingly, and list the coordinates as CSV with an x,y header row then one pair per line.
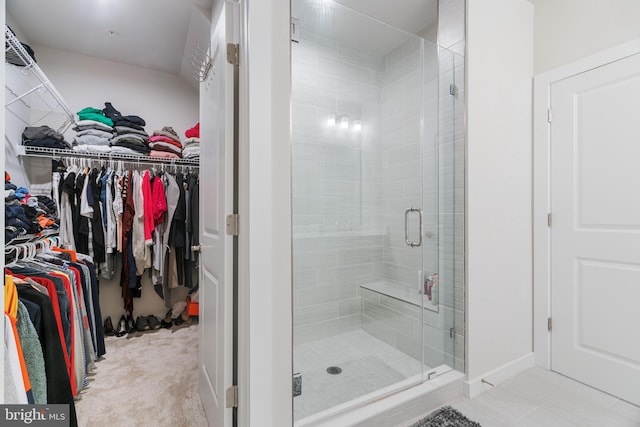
x,y
11,310
44,221
10,297
68,251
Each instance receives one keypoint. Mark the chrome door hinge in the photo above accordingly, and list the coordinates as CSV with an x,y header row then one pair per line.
x,y
233,54
295,30
233,222
549,115
297,384
231,397
548,220
453,89
549,325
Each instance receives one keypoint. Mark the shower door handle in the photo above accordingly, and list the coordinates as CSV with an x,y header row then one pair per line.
x,y
406,227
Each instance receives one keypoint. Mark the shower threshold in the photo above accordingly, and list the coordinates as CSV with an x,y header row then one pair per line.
x,y
369,370
393,405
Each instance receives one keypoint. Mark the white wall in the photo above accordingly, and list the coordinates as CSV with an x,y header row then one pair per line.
x,y
566,30
161,99
265,396
18,115
499,84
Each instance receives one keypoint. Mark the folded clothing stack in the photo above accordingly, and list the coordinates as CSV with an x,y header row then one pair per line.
x,y
129,134
90,113
92,136
44,136
191,148
165,143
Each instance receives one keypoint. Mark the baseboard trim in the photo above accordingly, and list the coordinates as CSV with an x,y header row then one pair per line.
x,y
476,386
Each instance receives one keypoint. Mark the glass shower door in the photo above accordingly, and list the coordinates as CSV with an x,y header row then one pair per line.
x,y
359,222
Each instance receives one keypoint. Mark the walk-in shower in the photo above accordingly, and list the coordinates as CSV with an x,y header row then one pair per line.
x,y
377,164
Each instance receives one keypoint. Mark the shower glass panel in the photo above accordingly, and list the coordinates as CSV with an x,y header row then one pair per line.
x,y
444,327
366,170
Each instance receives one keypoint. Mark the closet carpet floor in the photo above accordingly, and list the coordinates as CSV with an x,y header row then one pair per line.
x,y
145,379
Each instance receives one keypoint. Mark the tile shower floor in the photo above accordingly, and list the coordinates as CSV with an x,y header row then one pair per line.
x,y
367,364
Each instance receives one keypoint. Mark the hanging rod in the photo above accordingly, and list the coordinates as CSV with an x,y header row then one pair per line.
x,y
32,244
129,158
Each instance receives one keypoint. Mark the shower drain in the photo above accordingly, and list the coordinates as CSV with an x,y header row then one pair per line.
x,y
334,370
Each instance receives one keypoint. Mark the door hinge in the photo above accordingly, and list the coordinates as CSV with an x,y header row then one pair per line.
x,y
231,397
295,30
549,325
549,115
233,54
548,220
233,222
453,89
297,384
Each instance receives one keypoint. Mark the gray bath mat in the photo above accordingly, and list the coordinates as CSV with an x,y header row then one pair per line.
x,y
446,417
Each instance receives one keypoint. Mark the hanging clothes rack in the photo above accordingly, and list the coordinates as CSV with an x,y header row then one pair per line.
x,y
57,154
29,246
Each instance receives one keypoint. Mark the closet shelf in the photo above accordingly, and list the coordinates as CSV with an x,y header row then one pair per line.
x,y
129,158
29,95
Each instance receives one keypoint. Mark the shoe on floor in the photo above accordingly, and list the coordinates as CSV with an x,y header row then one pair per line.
x,y
185,317
108,327
154,322
142,324
131,326
122,327
166,322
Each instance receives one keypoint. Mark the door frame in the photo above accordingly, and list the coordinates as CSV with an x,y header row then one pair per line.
x,y
265,315
542,187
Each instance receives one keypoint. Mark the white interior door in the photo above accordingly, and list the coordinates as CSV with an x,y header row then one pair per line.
x,y
216,200
595,232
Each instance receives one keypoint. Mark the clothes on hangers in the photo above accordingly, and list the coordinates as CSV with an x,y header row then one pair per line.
x,y
55,308
146,218
11,311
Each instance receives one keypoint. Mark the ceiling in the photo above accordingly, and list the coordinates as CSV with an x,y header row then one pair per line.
x,y
157,34
412,16
163,34
374,26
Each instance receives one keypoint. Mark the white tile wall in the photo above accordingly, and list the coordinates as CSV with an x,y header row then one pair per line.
x,y
336,184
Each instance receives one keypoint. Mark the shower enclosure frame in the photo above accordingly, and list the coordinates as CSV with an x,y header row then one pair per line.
x,y
448,96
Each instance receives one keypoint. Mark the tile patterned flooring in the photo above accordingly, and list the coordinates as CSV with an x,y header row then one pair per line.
x,y
367,363
536,398
541,398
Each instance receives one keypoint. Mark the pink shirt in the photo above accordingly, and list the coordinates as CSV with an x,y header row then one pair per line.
x,y
149,226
